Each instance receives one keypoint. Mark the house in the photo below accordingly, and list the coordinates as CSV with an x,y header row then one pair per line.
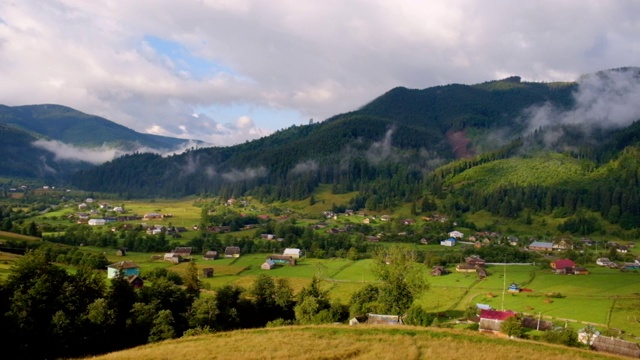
x,y
616,346
474,260
135,281
438,271
121,252
207,272
118,209
155,229
631,266
384,319
82,206
562,264
622,249
268,236
562,245
491,320
268,265
294,253
408,222
424,241
232,251
449,242
456,234
603,261
96,222
385,217
366,221
127,268
152,216
541,246
210,255
184,251
372,238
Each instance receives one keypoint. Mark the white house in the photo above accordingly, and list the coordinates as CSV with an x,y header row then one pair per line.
x,y
96,222
449,242
294,253
456,234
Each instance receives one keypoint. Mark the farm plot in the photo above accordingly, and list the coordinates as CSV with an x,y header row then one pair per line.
x,y
625,315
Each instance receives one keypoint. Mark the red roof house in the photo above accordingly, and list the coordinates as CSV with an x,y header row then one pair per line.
x,y
491,320
562,264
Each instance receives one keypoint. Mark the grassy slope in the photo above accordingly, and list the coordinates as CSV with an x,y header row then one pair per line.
x,y
344,342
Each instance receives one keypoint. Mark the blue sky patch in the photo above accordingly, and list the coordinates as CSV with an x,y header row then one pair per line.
x,y
184,61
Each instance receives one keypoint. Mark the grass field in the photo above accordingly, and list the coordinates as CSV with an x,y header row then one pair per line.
x,y
351,342
4,235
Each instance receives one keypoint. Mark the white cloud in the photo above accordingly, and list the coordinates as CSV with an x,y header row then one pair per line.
x,y
312,59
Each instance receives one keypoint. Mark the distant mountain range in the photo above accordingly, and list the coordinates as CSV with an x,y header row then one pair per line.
x,y
48,141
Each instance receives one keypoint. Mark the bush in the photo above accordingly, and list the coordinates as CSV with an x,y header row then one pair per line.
x,y
416,315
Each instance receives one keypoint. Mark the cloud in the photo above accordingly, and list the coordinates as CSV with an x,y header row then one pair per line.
x,y
606,99
101,154
65,152
305,167
150,65
381,150
246,174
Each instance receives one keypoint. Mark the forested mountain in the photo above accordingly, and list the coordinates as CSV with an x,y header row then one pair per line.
x,y
32,136
57,122
389,143
21,159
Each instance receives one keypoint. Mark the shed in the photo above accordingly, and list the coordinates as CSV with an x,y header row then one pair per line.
x,y
210,255
438,271
232,251
135,281
207,272
268,265
616,346
121,252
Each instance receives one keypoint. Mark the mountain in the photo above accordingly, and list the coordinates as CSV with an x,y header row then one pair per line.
x,y
57,122
403,131
31,134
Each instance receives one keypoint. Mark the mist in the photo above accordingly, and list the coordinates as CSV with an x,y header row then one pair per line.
x,y
605,100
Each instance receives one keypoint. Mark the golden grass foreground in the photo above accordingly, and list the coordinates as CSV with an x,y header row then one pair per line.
x,y
351,342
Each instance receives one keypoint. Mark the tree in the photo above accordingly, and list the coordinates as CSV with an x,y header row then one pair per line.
x,y
311,302
364,300
162,328
192,282
203,313
402,279
512,327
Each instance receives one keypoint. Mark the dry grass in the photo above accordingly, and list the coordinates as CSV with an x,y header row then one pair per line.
x,y
344,342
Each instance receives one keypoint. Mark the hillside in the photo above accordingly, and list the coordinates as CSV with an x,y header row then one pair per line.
x,y
417,130
344,342
21,159
56,122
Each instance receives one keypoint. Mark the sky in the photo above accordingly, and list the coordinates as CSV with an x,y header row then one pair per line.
x,y
228,71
